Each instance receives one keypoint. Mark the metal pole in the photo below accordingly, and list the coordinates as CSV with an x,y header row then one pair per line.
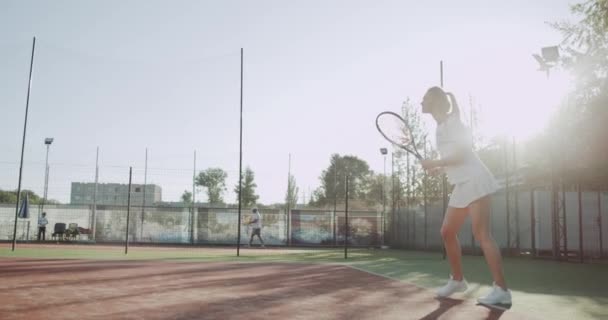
x,y
554,221
554,209
128,211
193,205
27,105
599,221
46,180
143,203
194,179
425,200
445,198
398,224
507,187
580,225
335,202
408,198
444,180
27,236
533,222
441,73
289,197
238,243
516,199
94,217
346,221
393,222
413,198
564,229
384,204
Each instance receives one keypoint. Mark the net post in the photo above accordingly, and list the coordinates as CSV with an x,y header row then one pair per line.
x,y
128,210
580,224
27,105
238,242
346,221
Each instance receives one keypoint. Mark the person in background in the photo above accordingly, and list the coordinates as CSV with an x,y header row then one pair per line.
x,y
42,222
256,222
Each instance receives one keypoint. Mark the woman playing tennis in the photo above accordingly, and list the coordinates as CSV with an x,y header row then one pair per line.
x,y
473,186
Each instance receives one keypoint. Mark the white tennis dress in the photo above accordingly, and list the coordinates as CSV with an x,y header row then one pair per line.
x,y
471,179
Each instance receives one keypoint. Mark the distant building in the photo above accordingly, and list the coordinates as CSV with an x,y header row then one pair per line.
x,y
114,194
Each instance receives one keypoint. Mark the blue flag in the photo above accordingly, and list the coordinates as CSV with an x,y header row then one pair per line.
x,y
24,211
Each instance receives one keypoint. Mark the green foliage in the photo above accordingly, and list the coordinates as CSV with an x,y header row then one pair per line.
x,y
581,122
214,179
11,197
333,180
248,196
8,196
187,197
411,182
375,189
291,197
586,46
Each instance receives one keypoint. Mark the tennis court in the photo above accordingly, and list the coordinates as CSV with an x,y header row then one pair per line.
x,y
87,281
146,146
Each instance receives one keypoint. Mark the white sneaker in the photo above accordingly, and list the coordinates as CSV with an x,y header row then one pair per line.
x,y
452,287
497,298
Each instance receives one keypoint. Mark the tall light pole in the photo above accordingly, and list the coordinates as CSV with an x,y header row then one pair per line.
x,y
47,142
288,211
384,152
547,60
27,107
393,225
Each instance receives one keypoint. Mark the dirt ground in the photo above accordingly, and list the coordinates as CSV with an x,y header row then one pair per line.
x,y
91,289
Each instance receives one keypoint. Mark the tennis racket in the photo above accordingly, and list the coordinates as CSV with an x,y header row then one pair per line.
x,y
397,131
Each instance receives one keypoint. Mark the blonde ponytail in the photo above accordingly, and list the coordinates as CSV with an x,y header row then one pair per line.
x,y
455,108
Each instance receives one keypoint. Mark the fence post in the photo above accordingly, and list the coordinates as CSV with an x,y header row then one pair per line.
x,y
580,225
346,222
599,221
128,211
425,200
532,223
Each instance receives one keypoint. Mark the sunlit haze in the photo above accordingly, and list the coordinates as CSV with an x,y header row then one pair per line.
x,y
126,76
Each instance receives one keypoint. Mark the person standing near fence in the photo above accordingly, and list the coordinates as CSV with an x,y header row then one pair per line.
x,y
473,186
256,222
42,222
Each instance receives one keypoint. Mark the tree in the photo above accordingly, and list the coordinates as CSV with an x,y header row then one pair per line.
x,y
586,46
291,197
580,124
11,197
375,189
187,197
8,196
412,183
214,179
333,180
248,196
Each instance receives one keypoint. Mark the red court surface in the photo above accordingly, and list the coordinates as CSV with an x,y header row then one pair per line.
x,y
91,289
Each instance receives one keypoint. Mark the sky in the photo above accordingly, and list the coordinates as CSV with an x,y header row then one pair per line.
x,y
126,76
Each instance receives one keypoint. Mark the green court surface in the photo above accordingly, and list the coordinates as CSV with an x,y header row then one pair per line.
x,y
542,289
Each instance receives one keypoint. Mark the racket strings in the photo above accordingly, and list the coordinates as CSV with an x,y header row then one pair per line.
x,y
396,130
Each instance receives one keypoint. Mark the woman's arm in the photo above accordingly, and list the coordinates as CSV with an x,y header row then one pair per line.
x,y
454,159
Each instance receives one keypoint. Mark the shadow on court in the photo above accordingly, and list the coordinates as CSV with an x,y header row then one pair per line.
x,y
88,289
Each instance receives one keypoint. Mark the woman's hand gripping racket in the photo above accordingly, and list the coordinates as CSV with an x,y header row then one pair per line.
x,y
397,131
